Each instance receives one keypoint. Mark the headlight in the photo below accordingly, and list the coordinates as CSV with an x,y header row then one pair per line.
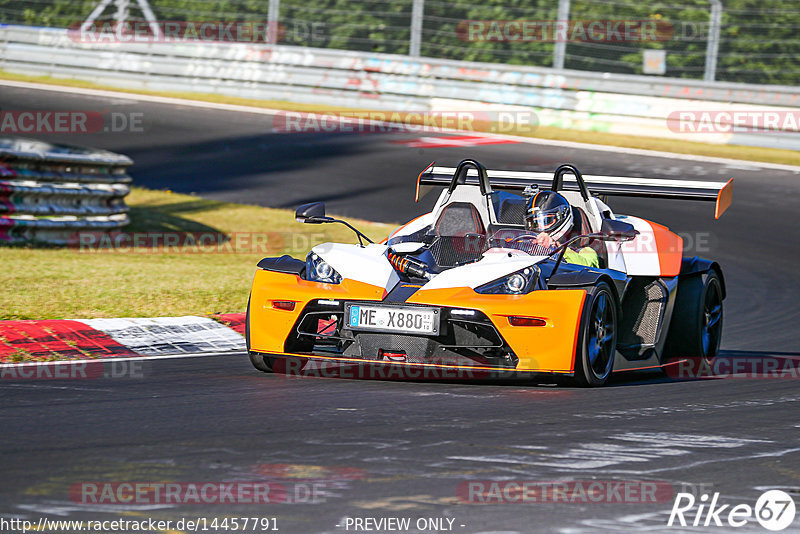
x,y
517,283
324,271
318,270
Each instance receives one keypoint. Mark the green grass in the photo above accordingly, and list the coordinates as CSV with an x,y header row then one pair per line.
x,y
680,146
60,283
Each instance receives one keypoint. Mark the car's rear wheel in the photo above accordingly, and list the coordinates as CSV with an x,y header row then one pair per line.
x,y
597,339
696,327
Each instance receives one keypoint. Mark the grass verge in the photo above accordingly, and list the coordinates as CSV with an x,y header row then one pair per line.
x,y
679,146
201,276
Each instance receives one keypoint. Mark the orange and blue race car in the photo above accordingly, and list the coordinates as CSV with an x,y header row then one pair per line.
x,y
460,288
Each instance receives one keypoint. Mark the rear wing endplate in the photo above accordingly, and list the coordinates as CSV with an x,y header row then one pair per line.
x,y
721,193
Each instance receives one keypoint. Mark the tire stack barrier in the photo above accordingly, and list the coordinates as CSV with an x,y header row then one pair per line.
x,y
49,193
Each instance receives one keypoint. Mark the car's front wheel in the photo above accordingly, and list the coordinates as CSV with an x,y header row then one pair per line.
x,y
262,363
597,339
269,364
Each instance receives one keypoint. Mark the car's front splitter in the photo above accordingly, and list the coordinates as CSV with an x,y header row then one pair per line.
x,y
306,365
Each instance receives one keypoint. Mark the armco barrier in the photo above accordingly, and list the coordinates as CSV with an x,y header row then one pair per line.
x,y
634,105
50,192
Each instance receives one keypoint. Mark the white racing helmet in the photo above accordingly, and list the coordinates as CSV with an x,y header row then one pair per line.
x,y
549,212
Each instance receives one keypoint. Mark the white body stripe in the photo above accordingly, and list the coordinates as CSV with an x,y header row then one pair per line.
x,y
494,265
368,264
616,260
640,256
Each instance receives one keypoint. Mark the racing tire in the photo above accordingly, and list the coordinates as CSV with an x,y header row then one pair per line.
x,y
696,327
597,338
262,363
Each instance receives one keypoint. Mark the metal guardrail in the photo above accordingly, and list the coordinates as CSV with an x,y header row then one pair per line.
x,y
634,105
50,192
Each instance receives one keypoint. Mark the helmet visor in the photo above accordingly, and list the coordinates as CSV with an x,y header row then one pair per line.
x,y
546,221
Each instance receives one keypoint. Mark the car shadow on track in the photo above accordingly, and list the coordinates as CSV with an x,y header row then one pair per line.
x,y
367,372
729,364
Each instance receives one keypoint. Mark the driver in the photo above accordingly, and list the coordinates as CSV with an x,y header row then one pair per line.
x,y
549,215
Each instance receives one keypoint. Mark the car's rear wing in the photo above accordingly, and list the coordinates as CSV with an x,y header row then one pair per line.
x,y
568,178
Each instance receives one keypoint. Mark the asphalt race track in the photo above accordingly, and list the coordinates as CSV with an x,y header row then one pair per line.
x,y
377,449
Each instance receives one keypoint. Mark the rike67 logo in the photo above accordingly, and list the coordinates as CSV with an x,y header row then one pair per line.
x,y
774,510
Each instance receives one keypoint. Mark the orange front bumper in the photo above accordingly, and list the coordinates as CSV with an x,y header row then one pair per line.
x,y
542,349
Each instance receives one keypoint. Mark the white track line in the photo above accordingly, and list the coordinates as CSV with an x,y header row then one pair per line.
x,y
268,111
125,359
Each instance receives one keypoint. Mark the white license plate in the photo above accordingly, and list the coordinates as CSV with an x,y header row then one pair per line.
x,y
393,319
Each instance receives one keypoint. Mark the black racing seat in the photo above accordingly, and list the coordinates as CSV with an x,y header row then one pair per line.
x,y
458,219
459,235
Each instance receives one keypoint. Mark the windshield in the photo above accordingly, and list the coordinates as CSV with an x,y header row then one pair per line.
x,y
518,239
452,251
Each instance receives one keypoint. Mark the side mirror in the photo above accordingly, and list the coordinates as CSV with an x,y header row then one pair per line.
x,y
613,230
313,213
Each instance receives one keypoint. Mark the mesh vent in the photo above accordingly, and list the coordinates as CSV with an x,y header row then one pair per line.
x,y
452,251
530,246
511,212
646,325
643,313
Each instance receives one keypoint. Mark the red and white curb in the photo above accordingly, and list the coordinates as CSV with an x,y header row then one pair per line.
x,y
119,338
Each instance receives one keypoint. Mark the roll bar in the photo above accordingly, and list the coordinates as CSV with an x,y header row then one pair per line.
x,y
460,176
558,179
